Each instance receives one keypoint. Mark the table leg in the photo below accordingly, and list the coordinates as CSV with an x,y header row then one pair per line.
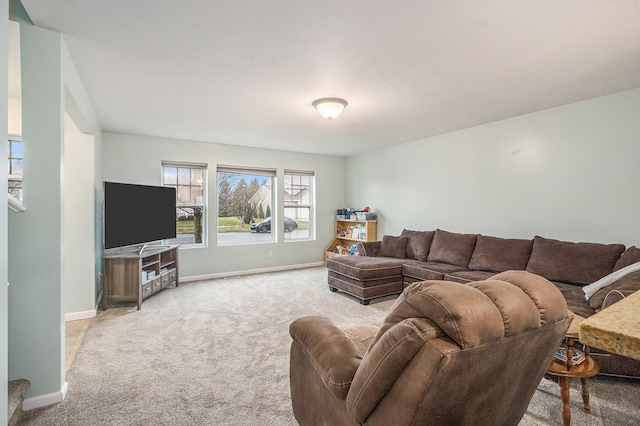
x,y
585,396
564,393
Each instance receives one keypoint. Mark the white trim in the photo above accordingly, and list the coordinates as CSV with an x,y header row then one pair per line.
x,y
46,399
167,163
249,272
242,170
72,316
15,204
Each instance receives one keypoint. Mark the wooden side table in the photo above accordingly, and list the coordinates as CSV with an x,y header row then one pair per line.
x,y
565,371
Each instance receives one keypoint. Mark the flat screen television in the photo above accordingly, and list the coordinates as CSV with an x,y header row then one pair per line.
x,y
137,214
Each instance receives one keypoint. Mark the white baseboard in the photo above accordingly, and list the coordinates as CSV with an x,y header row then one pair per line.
x,y
46,399
249,272
72,316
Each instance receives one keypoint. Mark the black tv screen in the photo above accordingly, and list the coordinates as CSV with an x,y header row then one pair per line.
x,y
138,214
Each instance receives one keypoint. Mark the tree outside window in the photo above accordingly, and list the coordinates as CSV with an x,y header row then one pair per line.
x,y
245,204
190,183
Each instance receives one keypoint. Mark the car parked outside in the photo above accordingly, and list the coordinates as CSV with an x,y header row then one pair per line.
x,y
265,225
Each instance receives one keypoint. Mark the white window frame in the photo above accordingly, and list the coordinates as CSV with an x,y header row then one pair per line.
x,y
256,171
15,138
305,202
190,205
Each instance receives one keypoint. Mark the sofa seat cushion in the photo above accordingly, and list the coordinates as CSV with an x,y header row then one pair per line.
x,y
418,244
365,268
423,271
574,296
575,263
465,277
500,254
449,247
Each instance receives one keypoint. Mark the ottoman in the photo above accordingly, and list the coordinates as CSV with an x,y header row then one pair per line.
x,y
365,277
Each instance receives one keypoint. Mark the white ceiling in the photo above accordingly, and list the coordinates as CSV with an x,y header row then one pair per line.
x,y
245,72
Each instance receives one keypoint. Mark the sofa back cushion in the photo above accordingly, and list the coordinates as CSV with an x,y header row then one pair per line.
x,y
500,254
418,243
575,263
629,257
449,247
393,247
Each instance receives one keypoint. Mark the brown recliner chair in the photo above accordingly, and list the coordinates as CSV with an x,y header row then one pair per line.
x,y
446,354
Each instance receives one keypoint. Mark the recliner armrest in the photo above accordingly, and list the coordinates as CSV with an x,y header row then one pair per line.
x,y
333,354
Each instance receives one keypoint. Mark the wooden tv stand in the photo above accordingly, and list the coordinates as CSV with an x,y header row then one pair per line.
x,y
123,274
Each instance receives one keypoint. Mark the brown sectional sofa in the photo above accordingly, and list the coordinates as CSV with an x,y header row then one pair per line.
x,y
386,267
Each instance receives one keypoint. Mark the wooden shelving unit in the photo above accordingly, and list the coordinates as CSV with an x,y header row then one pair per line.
x,y
133,276
344,234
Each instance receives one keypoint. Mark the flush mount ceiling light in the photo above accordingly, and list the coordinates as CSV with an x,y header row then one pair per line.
x,y
329,107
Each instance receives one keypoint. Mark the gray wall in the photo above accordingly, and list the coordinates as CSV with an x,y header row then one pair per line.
x,y
36,334
4,296
37,258
137,159
78,222
569,173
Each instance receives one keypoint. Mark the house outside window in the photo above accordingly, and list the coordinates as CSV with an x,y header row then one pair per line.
x,y
190,181
245,205
298,204
14,180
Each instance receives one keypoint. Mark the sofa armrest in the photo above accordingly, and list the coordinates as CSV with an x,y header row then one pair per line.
x,y
334,356
623,287
369,248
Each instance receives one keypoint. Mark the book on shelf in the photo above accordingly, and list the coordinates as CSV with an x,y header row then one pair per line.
x,y
577,357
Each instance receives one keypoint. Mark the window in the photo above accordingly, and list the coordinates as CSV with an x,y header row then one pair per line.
x,y
15,168
245,205
298,204
190,181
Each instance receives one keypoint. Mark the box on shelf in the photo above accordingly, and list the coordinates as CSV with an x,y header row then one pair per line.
x,y
366,216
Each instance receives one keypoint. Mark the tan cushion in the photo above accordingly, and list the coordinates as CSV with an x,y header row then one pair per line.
x,y
576,263
452,248
330,350
551,305
431,314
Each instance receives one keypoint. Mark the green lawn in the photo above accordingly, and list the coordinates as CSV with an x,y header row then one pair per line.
x,y
227,224
232,224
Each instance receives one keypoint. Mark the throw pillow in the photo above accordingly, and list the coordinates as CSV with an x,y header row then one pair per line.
x,y
452,248
630,256
500,254
625,285
605,281
418,243
574,263
393,247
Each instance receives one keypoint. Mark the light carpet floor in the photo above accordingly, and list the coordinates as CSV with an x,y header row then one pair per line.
x,y
217,353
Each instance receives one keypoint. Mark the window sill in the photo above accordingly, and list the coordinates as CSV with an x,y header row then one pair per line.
x,y
15,204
